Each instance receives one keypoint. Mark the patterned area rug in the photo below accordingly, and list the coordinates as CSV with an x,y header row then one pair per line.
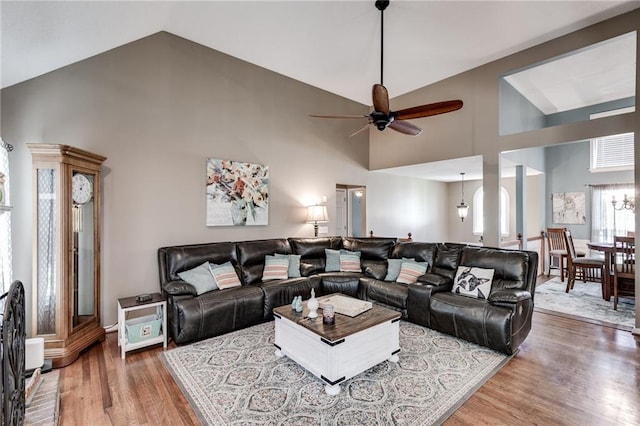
x,y
585,301
237,379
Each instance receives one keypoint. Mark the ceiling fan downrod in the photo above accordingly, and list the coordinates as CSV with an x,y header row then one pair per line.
x,y
381,5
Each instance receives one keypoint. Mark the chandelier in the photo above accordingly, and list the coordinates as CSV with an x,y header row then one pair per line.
x,y
628,203
463,209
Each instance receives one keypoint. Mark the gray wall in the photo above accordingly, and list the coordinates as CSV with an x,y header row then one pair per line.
x,y
157,108
421,207
517,113
568,171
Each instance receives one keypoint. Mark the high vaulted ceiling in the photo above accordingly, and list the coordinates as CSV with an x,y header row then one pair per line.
x,y
333,45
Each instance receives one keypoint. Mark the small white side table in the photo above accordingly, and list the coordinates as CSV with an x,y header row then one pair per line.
x,y
129,304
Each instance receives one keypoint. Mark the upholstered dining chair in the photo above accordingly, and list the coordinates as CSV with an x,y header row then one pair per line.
x,y
581,267
624,270
557,249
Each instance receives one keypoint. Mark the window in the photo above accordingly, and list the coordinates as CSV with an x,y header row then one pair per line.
x,y
5,224
478,212
611,153
605,220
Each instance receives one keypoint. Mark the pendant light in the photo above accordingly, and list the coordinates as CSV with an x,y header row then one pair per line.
x,y
463,209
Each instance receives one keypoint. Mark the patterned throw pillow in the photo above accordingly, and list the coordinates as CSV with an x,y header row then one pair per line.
x,y
393,270
473,282
225,275
294,264
200,278
350,261
333,260
275,268
411,270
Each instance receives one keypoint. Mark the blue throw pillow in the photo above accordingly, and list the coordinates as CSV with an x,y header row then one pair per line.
x,y
200,278
393,270
333,260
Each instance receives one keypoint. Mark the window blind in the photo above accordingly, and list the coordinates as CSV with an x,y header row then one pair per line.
x,y
612,153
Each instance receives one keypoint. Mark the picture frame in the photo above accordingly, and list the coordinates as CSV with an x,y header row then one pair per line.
x,y
237,193
569,208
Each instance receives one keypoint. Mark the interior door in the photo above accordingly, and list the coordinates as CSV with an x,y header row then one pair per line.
x,y
341,212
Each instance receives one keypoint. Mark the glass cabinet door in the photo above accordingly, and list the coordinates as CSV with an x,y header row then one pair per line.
x,y
46,250
83,248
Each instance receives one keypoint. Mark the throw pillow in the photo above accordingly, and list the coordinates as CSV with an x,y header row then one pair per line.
x,y
294,264
225,275
411,270
275,268
333,260
393,270
350,261
200,278
473,282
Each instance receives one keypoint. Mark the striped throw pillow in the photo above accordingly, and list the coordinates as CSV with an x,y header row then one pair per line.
x,y
350,261
225,275
410,271
275,268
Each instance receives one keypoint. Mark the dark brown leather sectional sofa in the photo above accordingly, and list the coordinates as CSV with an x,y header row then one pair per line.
x,y
501,322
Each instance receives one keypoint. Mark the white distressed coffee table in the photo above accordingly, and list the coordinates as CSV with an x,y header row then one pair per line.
x,y
335,353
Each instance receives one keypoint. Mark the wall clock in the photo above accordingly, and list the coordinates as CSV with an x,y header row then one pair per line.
x,y
81,189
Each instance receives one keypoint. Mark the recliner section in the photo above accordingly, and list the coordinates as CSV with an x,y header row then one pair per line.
x,y
502,322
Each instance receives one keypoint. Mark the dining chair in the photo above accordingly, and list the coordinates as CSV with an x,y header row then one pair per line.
x,y
624,271
556,243
582,267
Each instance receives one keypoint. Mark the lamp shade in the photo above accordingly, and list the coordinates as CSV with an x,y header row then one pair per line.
x,y
317,214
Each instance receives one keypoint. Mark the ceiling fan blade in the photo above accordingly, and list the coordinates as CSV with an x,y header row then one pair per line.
x,y
405,127
380,98
428,110
358,131
338,116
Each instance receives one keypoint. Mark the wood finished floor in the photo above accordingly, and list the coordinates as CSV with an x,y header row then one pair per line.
x,y
567,372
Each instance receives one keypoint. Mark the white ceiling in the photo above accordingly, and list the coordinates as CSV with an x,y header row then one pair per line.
x,y
600,73
332,45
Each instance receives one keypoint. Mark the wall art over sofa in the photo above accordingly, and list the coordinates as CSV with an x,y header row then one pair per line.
x,y
569,208
237,193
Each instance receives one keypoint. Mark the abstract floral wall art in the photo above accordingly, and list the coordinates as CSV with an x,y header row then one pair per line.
x,y
237,193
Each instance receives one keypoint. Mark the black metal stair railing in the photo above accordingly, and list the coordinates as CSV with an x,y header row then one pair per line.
x,y
13,356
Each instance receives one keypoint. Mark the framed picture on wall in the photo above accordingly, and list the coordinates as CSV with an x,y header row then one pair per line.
x,y
569,208
237,193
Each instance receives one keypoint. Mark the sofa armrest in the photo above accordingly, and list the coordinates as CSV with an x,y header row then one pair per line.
x,y
179,287
441,282
509,296
419,300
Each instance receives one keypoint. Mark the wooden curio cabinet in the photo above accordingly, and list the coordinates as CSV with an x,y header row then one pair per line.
x,y
66,250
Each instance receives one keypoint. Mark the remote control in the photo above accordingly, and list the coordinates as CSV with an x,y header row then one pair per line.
x,y
143,297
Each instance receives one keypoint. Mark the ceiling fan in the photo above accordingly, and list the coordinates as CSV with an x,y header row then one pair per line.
x,y
382,116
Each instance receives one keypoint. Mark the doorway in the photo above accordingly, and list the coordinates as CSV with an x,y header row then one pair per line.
x,y
351,211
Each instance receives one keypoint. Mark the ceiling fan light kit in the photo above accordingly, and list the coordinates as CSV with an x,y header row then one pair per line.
x,y
382,116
